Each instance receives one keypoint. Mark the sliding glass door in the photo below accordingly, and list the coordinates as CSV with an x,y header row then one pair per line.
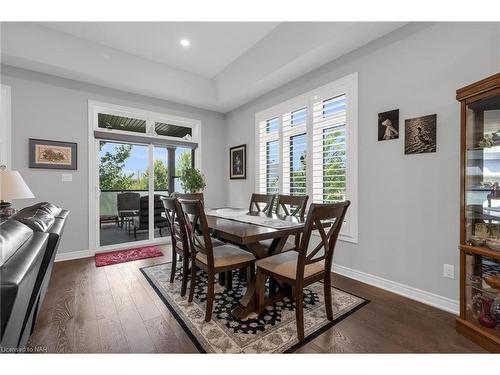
x,y
136,158
124,193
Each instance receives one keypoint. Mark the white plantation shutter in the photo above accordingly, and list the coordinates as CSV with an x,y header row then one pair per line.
x,y
329,150
268,165
308,145
294,152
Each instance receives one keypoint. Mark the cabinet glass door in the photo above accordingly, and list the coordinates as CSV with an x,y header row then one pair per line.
x,y
482,174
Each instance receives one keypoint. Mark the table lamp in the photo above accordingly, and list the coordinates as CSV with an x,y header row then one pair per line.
x,y
12,186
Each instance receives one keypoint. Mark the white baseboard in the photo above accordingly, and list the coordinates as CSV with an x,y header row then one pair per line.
x,y
440,302
73,255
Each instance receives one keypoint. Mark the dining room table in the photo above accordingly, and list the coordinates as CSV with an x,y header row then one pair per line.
x,y
248,230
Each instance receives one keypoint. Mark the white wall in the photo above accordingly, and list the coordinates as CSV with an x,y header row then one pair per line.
x,y
408,204
49,107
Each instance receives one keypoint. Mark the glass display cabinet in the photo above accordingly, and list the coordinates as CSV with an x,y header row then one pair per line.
x,y
479,318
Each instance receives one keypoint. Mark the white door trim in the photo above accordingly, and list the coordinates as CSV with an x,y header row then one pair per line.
x,y
96,107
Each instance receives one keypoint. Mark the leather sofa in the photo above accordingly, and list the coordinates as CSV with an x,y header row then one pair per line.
x,y
28,246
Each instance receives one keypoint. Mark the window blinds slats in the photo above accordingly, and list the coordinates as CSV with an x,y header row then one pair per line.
x,y
294,151
283,146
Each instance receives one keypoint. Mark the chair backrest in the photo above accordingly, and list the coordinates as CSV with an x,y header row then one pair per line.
x,y
261,203
195,219
159,220
190,196
317,217
296,204
176,222
127,201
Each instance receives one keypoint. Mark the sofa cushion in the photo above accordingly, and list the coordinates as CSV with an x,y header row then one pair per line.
x,y
13,235
38,220
50,208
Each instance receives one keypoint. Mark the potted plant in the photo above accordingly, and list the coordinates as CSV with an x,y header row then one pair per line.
x,y
192,181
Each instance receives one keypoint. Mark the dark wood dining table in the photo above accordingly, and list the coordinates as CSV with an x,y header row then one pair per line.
x,y
250,235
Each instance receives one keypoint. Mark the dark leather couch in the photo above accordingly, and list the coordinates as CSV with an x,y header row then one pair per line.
x,y
28,245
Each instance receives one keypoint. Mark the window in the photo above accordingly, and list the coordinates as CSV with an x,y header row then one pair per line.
x,y
170,130
329,150
110,122
307,145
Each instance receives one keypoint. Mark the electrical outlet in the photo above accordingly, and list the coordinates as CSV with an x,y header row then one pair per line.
x,y
448,271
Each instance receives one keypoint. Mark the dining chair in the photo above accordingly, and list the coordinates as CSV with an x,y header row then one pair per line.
x,y
291,205
302,268
179,239
261,203
205,256
192,196
296,207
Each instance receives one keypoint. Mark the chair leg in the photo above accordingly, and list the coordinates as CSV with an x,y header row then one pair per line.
x,y
193,282
185,275
260,290
174,265
229,280
210,297
328,295
299,312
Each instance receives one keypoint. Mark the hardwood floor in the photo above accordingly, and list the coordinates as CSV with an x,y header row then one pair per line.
x,y
114,310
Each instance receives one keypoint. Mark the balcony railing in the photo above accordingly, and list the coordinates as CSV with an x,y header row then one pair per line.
x,y
107,200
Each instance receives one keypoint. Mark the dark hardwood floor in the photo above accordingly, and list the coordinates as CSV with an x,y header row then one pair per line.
x,y
114,310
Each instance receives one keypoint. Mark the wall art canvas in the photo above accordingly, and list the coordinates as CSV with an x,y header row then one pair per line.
x,y
237,162
420,134
388,125
52,154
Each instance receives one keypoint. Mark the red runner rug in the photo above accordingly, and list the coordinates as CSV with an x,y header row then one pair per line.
x,y
122,256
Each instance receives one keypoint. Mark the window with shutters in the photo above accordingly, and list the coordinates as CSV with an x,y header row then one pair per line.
x,y
308,146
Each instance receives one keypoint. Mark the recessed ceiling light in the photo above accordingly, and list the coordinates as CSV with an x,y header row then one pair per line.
x,y
185,43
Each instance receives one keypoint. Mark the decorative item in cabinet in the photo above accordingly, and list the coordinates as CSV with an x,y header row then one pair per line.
x,y
480,213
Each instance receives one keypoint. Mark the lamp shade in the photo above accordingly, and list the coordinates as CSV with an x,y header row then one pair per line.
x,y
12,186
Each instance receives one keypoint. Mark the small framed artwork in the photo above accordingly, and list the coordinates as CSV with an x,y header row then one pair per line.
x,y
388,125
52,154
420,135
238,162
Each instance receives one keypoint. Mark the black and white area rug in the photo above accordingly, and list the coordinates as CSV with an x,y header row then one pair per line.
x,y
272,332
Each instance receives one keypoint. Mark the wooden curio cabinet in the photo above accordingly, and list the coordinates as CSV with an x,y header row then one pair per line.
x,y
479,318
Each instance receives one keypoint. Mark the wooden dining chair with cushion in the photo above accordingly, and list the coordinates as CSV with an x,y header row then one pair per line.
x,y
302,268
179,239
261,203
205,256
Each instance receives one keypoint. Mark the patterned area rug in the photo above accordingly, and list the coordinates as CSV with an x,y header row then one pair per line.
x,y
273,332
122,256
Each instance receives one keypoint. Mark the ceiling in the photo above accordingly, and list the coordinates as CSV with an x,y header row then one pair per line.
x,y
227,64
214,45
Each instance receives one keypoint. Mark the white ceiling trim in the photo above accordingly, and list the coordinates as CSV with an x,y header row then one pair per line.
x,y
283,54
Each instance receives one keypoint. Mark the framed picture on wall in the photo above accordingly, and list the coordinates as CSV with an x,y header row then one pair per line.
x,y
52,154
238,162
388,125
420,135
